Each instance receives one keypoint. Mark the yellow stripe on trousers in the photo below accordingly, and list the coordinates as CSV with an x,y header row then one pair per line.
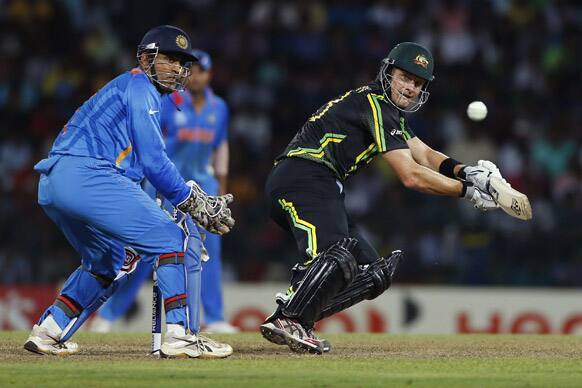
x,y
303,225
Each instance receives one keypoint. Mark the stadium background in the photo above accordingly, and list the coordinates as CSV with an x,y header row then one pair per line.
x,y
275,62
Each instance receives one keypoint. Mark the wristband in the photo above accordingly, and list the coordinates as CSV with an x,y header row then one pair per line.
x,y
447,167
462,173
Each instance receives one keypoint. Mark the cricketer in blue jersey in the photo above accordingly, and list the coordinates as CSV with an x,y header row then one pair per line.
x,y
194,123
89,186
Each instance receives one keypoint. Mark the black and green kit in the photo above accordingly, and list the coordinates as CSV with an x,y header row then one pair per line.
x,y
348,131
306,184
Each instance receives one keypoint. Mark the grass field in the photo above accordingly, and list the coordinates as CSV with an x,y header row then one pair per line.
x,y
357,360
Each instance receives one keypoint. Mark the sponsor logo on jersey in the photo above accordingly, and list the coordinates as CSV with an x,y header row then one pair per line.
x,y
395,132
201,135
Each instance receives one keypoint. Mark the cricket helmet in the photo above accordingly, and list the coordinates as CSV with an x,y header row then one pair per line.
x,y
171,40
412,58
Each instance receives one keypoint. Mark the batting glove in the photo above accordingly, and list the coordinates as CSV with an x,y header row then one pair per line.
x,y
480,174
480,199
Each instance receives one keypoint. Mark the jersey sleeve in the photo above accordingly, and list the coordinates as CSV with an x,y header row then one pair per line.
x,y
144,127
384,124
222,129
407,132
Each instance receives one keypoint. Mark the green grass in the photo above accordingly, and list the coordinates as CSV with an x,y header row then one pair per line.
x,y
357,360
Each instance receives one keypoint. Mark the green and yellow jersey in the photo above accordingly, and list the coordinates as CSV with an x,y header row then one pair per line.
x,y
350,130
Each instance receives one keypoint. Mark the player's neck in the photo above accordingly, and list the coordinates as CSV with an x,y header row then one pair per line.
x,y
198,100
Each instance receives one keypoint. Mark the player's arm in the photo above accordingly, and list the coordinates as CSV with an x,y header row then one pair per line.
x,y
220,165
418,177
433,159
479,174
220,157
212,213
147,142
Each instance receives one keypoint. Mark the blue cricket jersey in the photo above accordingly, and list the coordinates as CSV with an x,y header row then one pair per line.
x,y
192,137
121,124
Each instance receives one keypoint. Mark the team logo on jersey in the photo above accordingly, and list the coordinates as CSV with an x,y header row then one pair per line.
x,y
211,118
131,259
182,42
421,60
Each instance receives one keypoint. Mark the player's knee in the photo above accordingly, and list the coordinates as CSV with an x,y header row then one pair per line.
x,y
383,271
332,271
342,253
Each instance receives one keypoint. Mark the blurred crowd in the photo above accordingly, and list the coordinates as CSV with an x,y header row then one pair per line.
x,y
275,62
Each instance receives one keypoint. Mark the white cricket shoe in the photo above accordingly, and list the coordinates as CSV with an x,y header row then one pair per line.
x,y
213,349
41,342
193,346
221,327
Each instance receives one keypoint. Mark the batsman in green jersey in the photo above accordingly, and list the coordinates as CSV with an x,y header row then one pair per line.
x,y
338,267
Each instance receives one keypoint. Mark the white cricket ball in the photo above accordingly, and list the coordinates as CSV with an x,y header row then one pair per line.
x,y
477,110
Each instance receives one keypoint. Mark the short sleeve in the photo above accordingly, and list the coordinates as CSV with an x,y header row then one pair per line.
x,y
222,128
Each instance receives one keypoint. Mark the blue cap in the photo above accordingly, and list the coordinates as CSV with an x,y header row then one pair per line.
x,y
204,59
168,39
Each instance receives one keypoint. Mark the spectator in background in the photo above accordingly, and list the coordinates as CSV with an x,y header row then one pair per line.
x,y
518,56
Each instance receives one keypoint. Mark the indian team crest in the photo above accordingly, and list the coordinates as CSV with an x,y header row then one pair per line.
x,y
421,60
182,42
211,118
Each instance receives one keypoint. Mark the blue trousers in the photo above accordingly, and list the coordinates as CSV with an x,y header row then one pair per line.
x,y
212,301
101,212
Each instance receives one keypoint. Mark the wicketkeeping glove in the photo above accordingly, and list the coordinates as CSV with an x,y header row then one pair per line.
x,y
209,211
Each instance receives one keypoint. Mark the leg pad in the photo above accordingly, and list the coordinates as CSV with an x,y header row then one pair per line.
x,y
370,282
331,272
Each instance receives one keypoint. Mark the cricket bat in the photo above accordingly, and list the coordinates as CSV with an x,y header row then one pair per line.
x,y
512,202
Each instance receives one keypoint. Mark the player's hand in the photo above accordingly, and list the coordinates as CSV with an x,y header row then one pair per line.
x,y
210,212
480,174
480,199
223,222
221,225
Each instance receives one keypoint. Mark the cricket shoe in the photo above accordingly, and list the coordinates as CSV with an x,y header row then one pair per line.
x,y
289,331
193,346
213,349
40,341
